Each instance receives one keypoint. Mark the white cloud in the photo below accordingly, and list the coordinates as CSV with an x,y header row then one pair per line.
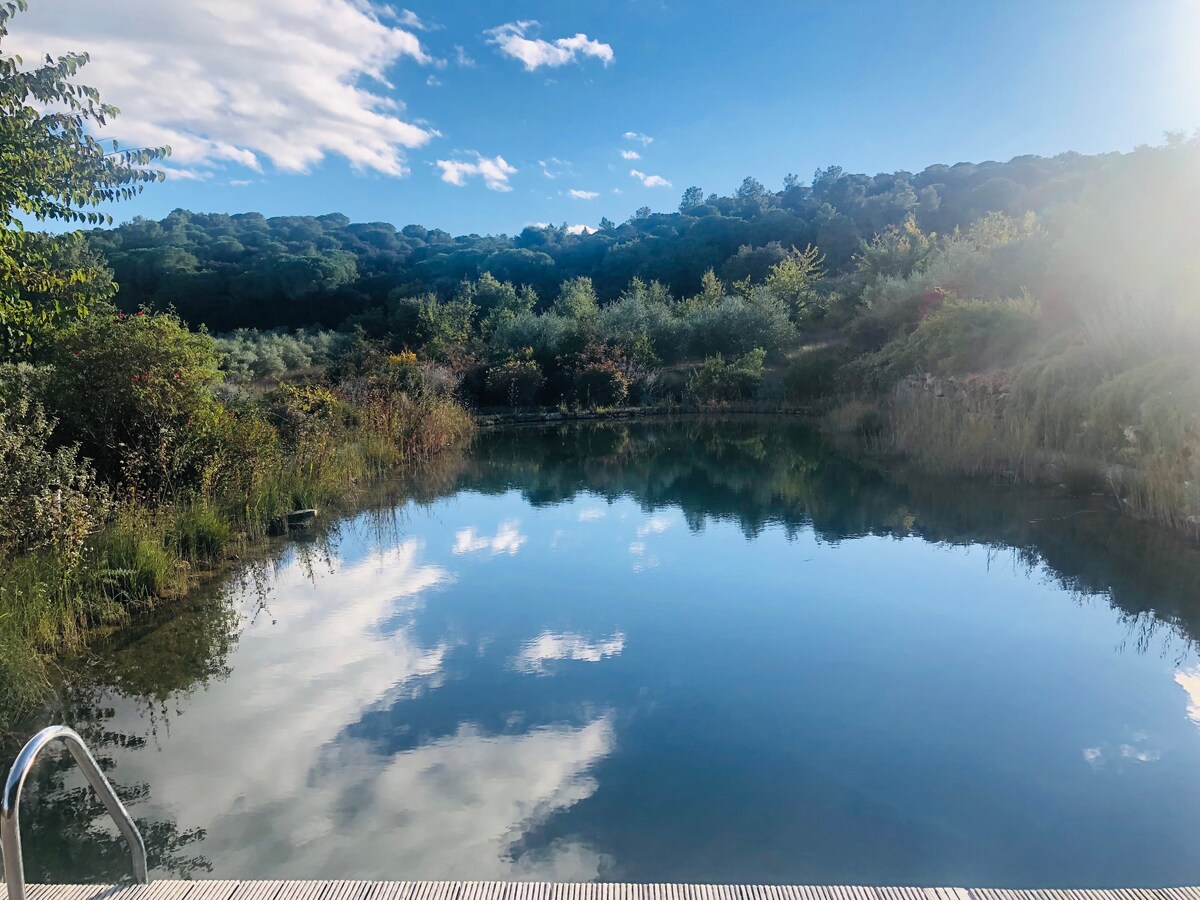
x,y
630,154
554,167
433,81
644,139
580,229
508,539
494,171
1128,751
534,52
242,81
462,58
549,646
592,513
584,195
174,173
649,181
410,19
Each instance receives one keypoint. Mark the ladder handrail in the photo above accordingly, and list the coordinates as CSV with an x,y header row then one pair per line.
x,y
10,813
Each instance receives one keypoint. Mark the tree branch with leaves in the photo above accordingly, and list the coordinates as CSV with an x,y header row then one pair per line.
x,y
54,167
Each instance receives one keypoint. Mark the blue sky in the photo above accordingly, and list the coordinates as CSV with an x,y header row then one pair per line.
x,y
454,115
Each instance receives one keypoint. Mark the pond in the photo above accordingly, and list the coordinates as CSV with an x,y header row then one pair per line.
x,y
690,650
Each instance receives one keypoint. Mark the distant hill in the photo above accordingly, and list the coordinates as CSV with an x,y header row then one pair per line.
x,y
246,270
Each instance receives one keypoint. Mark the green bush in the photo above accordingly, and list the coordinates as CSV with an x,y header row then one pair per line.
x,y
301,411
517,381
247,354
736,325
645,313
814,374
719,380
964,336
48,497
137,394
247,450
599,376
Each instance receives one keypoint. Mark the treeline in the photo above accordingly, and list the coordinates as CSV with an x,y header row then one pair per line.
x,y
249,271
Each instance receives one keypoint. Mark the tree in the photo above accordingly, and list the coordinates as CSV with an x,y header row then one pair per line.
x,y
712,291
896,252
793,280
445,326
692,198
577,300
752,196
52,167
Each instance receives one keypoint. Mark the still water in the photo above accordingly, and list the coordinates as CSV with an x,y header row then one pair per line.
x,y
689,651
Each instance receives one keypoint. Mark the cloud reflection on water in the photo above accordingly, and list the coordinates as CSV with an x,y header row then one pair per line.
x,y
548,646
264,761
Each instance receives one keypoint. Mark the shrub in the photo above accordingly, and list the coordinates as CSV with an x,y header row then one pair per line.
x,y
645,314
518,381
736,325
814,374
49,498
136,393
247,354
964,336
300,411
599,376
719,380
247,450
546,335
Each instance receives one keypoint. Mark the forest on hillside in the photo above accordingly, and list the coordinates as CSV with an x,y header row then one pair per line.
x,y
249,271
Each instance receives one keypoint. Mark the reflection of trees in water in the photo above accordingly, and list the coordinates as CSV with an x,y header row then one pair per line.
x,y
155,662
752,472
65,826
774,471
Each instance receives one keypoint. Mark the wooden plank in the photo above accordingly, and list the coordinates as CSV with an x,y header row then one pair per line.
x,y
904,893
53,891
347,890
67,891
528,890
256,890
213,890
163,890
301,890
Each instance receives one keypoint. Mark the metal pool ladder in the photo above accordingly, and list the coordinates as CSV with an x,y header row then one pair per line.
x,y
10,814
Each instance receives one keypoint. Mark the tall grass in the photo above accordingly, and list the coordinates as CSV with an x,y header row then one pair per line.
x,y
1132,433
145,554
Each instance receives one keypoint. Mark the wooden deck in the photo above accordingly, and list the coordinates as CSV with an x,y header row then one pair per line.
x,y
501,890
